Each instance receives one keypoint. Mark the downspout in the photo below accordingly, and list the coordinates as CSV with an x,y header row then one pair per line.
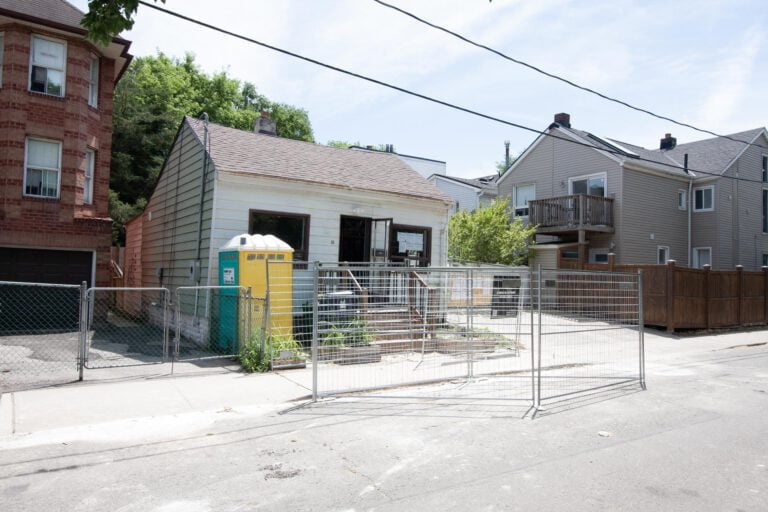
x,y
689,208
197,264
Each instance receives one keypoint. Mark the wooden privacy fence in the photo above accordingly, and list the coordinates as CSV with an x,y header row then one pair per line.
x,y
688,298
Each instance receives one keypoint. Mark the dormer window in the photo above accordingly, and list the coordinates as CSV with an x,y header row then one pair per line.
x,y
47,66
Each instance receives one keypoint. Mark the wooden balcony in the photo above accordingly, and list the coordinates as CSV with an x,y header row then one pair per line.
x,y
572,213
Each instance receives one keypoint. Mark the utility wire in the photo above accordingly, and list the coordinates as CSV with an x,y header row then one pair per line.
x,y
557,77
428,98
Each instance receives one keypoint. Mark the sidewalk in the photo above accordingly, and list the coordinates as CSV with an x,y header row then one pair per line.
x,y
92,403
186,399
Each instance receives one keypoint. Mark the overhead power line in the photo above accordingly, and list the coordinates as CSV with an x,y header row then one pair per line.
x,y
423,96
557,77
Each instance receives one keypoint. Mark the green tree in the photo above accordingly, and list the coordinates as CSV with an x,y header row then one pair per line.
x,y
489,235
150,101
107,18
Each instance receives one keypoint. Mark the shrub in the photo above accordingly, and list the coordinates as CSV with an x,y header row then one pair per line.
x,y
253,354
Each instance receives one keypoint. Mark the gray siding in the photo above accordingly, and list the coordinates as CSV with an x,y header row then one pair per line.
x,y
170,231
549,166
650,208
741,240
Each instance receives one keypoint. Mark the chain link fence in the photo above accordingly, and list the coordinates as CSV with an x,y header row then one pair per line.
x,y
39,334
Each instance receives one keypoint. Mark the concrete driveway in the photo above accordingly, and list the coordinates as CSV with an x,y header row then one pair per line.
x,y
695,440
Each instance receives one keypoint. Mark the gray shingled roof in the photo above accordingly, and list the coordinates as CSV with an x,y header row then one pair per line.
x,y
710,156
275,157
489,185
56,11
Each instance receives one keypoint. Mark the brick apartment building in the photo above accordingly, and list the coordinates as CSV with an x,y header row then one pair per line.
x,y
56,91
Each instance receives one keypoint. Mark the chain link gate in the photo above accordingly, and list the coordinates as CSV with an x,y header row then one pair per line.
x,y
125,327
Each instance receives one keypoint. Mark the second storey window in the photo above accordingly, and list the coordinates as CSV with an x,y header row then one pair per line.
x,y
765,157
43,168
93,82
90,165
48,62
765,210
682,200
592,185
704,199
523,194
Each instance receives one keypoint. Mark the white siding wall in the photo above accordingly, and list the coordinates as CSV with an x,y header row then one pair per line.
x,y
465,196
424,167
236,195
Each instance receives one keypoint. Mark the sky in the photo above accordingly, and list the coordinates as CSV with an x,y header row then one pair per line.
x,y
704,62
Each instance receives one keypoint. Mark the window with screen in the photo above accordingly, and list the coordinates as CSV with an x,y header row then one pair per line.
x,y
48,61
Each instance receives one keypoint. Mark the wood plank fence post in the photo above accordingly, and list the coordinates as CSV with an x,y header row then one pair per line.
x,y
671,295
739,292
611,262
765,293
707,270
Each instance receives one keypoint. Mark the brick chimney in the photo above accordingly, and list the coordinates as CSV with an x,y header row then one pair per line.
x,y
563,119
668,142
265,124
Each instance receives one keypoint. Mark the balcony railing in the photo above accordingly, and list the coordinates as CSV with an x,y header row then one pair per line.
x,y
572,213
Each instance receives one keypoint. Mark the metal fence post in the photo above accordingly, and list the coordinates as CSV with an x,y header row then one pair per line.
x,y
533,339
315,341
537,403
83,338
641,326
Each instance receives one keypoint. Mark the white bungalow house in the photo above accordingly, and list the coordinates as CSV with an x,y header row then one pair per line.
x,y
329,204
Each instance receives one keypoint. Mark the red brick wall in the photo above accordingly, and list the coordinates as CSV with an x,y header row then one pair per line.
x,y
64,222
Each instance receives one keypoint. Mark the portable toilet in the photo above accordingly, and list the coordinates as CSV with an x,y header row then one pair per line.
x,y
243,262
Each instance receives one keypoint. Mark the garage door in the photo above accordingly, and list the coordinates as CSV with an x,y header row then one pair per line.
x,y
35,308
42,266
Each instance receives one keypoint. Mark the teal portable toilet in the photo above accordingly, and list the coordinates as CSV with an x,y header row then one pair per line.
x,y
229,307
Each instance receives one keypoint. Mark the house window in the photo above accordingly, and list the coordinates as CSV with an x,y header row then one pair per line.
x,y
523,194
410,244
662,254
593,185
47,66
765,259
90,164
2,51
765,160
704,199
42,169
682,200
702,256
765,210
291,228
93,82
598,255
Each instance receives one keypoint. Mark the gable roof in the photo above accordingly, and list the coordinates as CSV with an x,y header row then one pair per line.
x,y
710,156
62,15
268,156
483,183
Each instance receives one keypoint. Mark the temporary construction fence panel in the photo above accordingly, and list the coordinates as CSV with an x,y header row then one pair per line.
x,y
39,334
126,332
483,332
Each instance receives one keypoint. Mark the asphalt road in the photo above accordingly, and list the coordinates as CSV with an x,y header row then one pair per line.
x,y
697,439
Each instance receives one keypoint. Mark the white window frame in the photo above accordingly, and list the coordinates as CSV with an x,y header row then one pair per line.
x,y
90,172
603,175
695,190
667,253
696,259
593,253
765,259
682,199
93,83
514,198
58,171
63,71
2,56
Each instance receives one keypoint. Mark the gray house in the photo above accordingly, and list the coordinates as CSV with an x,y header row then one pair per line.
x,y
468,194
599,197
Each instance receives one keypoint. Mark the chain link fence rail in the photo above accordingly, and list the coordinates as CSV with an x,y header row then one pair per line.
x,y
39,334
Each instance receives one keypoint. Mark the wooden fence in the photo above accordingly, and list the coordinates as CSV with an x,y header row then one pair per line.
x,y
688,298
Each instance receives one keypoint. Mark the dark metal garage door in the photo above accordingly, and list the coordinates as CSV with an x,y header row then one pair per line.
x,y
49,309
